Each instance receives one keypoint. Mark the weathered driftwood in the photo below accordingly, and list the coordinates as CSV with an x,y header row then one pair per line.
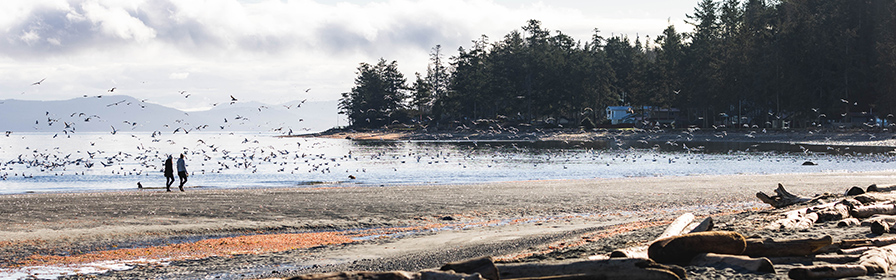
x,y
795,247
811,259
678,225
855,190
880,224
794,222
485,266
873,242
681,249
600,269
391,275
827,271
762,265
856,250
870,210
640,252
835,212
783,198
705,225
879,260
876,188
849,222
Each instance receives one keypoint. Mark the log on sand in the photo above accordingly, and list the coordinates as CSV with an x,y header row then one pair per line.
x,y
870,210
879,260
827,271
870,242
763,265
782,199
391,275
796,221
594,269
796,247
682,249
677,227
485,266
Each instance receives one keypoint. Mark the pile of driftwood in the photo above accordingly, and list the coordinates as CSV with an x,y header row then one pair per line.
x,y
687,242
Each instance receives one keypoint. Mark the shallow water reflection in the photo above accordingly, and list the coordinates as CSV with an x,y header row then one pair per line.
x,y
89,162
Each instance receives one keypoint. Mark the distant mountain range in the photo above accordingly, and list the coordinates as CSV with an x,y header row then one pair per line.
x,y
125,113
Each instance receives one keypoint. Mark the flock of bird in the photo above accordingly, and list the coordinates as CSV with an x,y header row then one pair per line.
x,y
225,154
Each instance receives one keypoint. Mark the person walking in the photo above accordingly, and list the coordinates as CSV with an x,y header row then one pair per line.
x,y
169,173
182,171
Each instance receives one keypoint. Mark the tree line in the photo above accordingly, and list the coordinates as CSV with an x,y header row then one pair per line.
x,y
756,63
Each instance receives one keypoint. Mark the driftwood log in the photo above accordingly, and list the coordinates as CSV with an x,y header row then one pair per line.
x,y
848,222
391,275
794,220
879,260
677,227
870,242
782,199
827,271
594,269
763,265
871,210
796,247
485,266
682,249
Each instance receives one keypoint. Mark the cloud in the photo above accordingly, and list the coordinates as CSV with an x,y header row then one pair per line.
x,y
150,47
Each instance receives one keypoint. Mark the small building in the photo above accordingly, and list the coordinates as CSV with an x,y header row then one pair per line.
x,y
617,114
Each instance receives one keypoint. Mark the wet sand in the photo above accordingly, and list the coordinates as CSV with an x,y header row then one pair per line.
x,y
509,219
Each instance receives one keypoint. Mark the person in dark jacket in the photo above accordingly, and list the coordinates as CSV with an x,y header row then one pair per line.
x,y
182,171
169,173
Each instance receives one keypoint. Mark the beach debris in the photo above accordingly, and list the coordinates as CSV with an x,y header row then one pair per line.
x,y
757,247
809,163
867,242
681,249
782,199
794,220
848,222
870,210
485,266
827,271
678,226
855,190
390,275
592,269
761,264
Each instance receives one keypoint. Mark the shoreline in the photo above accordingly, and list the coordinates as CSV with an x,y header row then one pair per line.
x,y
52,224
863,138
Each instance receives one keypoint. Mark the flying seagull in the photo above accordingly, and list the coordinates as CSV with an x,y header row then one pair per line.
x,y
38,82
232,99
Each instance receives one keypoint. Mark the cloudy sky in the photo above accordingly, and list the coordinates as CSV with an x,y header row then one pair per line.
x,y
270,51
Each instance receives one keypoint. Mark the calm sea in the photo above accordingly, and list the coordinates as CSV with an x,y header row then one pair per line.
x,y
40,162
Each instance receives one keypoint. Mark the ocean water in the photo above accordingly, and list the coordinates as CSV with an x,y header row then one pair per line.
x,y
46,162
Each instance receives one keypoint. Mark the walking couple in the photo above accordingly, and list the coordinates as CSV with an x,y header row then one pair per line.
x,y
181,172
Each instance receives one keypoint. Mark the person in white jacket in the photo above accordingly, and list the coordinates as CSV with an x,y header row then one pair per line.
x,y
182,171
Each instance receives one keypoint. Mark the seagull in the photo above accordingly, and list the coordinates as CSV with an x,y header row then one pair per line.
x,y
38,82
307,90
113,130
112,89
232,99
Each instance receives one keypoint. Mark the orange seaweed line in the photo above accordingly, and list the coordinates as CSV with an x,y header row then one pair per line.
x,y
252,244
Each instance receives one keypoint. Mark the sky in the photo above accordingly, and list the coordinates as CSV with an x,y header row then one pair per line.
x,y
190,54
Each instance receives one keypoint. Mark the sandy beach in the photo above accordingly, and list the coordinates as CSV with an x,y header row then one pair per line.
x,y
371,228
